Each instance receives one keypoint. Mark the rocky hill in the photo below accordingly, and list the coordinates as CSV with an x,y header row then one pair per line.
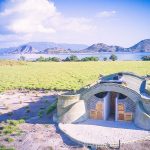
x,y
142,46
50,48
100,47
25,49
43,47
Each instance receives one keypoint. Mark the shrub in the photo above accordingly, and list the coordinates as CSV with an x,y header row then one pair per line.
x,y
9,129
22,58
2,147
9,139
51,108
90,59
105,58
40,113
72,58
15,122
41,58
113,57
146,58
56,59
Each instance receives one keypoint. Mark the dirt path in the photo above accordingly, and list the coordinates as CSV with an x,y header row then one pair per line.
x,y
39,132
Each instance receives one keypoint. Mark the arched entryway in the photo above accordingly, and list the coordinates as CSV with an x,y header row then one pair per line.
x,y
110,105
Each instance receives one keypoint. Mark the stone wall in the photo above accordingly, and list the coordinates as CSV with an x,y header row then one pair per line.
x,y
128,109
70,109
142,119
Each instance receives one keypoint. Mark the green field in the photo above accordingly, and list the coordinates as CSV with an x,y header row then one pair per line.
x,y
62,75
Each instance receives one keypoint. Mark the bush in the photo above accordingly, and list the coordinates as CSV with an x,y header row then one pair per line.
x,y
90,59
72,58
56,59
22,58
2,147
40,113
105,58
51,108
9,139
146,58
113,57
9,129
42,59
15,122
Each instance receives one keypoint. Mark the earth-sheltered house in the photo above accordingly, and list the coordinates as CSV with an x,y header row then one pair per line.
x,y
121,96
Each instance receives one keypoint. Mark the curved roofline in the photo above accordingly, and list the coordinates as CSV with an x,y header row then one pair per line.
x,y
87,93
126,73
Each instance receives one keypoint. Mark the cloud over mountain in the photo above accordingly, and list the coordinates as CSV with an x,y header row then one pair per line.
x,y
37,19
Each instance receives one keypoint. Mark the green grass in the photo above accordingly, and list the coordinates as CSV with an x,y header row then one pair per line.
x,y
51,108
11,126
8,139
2,147
63,75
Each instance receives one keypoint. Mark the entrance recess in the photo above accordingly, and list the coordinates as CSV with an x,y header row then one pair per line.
x,y
112,106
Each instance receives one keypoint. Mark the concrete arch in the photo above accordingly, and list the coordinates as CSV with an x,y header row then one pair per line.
x,y
110,87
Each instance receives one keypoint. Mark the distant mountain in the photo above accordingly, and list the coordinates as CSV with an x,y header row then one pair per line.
x,y
100,47
7,50
142,46
43,47
25,49
55,50
50,47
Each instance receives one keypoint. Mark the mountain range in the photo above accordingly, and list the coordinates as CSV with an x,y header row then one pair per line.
x,y
142,46
50,47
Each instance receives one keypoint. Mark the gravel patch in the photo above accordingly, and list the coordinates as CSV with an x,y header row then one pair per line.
x,y
42,133
38,133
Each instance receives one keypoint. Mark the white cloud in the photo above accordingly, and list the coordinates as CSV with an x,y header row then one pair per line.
x,y
106,13
39,17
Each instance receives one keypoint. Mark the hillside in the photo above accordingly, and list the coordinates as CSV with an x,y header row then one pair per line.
x,y
142,46
100,47
43,48
50,48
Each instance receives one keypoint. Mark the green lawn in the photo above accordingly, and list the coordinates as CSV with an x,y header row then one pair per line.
x,y
63,75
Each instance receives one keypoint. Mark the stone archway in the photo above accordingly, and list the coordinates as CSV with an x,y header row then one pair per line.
x,y
134,96
101,108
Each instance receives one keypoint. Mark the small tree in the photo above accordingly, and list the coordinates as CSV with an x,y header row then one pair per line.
x,y
22,58
92,58
146,58
41,58
113,57
105,58
56,59
72,58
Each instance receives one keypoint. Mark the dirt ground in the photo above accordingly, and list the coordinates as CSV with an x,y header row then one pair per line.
x,y
39,132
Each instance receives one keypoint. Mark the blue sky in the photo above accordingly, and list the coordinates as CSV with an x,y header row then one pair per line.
x,y
115,22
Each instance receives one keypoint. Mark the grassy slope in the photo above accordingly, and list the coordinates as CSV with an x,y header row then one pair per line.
x,y
68,75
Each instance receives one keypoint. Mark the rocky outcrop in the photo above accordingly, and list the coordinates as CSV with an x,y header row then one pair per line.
x,y
142,46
